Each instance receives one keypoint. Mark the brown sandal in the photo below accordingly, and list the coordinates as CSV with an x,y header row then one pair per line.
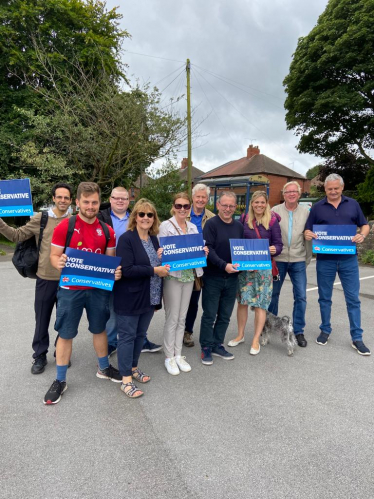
x,y
139,376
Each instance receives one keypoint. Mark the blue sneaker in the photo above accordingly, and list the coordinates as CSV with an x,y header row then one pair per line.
x,y
206,356
148,346
219,351
361,348
322,339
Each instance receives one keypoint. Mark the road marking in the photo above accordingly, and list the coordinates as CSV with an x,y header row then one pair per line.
x,y
336,283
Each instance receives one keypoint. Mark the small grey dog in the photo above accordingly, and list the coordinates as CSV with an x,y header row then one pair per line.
x,y
282,326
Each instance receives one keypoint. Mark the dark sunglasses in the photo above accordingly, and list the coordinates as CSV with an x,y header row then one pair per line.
x,y
180,206
141,214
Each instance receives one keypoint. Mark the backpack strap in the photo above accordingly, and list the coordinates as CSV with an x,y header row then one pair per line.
x,y
106,232
43,225
70,232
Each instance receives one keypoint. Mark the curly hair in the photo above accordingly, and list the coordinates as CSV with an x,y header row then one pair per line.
x,y
143,205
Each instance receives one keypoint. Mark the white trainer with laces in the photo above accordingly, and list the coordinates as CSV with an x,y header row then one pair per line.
x,y
183,365
171,366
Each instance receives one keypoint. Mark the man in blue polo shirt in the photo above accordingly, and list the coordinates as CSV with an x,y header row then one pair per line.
x,y
336,209
117,216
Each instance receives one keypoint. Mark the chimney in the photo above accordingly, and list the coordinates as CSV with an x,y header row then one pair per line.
x,y
184,164
252,151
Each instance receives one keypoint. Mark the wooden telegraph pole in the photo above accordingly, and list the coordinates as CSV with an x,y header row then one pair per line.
x,y
189,146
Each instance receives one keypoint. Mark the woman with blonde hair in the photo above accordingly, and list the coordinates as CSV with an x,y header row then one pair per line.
x,y
256,286
177,287
138,294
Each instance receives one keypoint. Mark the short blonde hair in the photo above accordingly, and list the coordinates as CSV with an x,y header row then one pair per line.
x,y
293,182
265,220
142,205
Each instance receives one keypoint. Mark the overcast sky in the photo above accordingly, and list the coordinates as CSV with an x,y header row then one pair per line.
x,y
249,42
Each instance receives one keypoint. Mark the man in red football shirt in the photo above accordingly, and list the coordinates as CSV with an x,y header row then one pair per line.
x,y
72,300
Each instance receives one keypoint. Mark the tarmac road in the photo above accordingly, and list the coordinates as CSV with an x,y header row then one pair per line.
x,y
269,426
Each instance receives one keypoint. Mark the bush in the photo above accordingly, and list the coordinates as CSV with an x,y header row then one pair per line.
x,y
368,257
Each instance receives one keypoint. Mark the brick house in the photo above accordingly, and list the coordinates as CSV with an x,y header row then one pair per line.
x,y
255,166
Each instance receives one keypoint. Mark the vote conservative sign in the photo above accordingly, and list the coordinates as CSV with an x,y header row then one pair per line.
x,y
89,269
15,198
183,252
334,239
250,254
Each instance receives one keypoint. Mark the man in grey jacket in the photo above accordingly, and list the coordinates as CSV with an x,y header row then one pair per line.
x,y
295,256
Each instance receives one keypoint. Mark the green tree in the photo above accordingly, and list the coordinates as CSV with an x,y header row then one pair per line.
x,y
67,30
312,172
366,190
162,186
330,85
349,165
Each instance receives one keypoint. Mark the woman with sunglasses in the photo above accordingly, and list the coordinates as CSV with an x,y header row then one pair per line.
x,y
177,288
138,294
256,286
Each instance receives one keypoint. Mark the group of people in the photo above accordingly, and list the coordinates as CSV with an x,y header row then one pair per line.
x,y
119,320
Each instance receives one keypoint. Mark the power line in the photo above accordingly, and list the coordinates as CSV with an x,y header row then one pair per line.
x,y
219,119
231,82
237,110
172,81
164,78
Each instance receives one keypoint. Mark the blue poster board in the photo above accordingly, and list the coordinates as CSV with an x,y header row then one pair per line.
x,y
183,252
15,198
334,239
89,269
250,254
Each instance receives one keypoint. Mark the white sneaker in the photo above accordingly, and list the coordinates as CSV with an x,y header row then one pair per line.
x,y
183,365
171,366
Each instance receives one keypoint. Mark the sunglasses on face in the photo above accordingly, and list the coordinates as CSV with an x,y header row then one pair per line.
x,y
180,206
141,214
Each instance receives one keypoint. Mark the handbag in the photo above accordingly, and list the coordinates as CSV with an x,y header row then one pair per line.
x,y
198,282
274,266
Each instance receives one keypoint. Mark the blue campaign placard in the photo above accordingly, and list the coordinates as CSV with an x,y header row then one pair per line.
x,y
250,254
183,252
15,198
89,269
334,239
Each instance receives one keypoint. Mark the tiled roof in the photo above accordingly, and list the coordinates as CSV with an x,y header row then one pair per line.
x,y
145,180
195,172
253,166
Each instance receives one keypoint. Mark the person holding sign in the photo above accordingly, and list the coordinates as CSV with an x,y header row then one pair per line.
x,y
220,279
72,300
178,287
138,294
336,209
47,277
256,286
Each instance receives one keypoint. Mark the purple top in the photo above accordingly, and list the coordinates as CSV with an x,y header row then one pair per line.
x,y
273,233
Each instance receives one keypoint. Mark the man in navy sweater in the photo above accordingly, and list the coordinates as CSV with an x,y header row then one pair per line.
x,y
220,279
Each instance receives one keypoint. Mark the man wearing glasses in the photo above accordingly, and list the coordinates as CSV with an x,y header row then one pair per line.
x,y
220,279
295,256
117,216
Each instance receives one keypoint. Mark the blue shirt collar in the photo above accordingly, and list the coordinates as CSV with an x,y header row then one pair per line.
x,y
123,218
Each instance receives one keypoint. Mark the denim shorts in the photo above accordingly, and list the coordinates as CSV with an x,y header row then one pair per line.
x,y
70,305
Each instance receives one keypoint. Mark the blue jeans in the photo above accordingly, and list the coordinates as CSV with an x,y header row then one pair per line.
x,y
132,330
218,300
348,272
297,273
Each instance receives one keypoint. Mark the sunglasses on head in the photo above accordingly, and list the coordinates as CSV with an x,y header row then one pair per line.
x,y
141,214
180,206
